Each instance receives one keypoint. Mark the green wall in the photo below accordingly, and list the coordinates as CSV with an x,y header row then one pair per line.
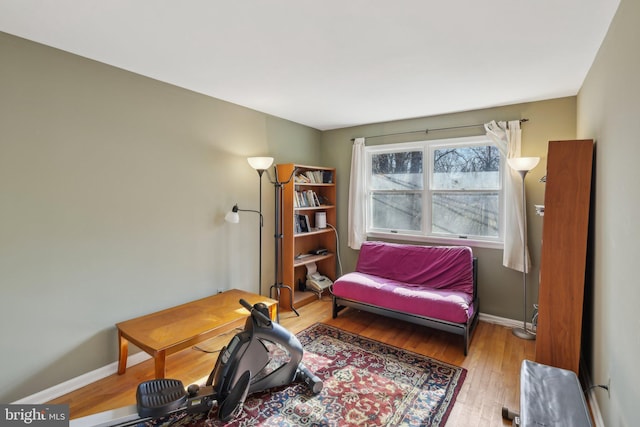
x,y
608,111
500,288
114,188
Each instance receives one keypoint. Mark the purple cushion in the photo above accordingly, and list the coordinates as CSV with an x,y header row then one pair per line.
x,y
437,267
443,304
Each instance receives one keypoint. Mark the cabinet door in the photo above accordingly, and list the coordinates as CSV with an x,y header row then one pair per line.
x,y
564,253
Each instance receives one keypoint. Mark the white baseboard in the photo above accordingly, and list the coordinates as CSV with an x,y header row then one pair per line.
x,y
590,395
81,381
503,321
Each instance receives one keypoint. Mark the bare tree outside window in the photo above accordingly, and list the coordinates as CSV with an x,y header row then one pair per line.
x,y
469,209
397,182
462,193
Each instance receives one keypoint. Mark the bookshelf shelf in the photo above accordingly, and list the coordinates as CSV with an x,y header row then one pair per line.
x,y
313,232
300,262
315,208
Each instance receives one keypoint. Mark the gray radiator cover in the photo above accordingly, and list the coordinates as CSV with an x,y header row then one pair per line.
x,y
551,397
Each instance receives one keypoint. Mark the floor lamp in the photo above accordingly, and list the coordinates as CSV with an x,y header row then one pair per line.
x,y
278,285
260,164
523,165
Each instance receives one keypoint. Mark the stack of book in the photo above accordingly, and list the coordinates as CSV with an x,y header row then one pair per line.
x,y
314,177
305,199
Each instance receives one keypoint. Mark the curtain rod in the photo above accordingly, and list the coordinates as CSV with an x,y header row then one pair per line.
x,y
431,130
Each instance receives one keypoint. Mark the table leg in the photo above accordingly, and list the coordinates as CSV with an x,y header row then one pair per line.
x,y
159,359
124,352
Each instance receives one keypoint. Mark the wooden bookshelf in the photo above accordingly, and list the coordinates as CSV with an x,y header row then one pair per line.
x,y
296,243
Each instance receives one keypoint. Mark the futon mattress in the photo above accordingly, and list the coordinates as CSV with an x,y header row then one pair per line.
x,y
444,304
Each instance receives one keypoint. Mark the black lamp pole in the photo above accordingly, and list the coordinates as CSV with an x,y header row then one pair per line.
x,y
278,284
260,172
260,164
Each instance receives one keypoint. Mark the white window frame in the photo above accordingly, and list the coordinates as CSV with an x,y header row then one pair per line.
x,y
425,234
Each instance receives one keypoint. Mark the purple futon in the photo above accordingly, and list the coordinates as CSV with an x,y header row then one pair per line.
x,y
434,286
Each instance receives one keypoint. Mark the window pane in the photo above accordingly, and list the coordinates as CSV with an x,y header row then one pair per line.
x,y
397,211
466,168
396,171
466,214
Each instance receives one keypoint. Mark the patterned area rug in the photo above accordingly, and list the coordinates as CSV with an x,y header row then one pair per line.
x,y
366,383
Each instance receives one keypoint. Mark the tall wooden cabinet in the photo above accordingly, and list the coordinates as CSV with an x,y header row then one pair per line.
x,y
312,190
564,253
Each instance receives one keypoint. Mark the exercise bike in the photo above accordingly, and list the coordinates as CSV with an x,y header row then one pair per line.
x,y
246,365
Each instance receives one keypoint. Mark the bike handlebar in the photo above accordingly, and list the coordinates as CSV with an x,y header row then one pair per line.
x,y
257,313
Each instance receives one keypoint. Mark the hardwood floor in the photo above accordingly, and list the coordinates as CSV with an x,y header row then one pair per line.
x,y
493,363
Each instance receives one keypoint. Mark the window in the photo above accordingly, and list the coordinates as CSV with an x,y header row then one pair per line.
x,y
440,190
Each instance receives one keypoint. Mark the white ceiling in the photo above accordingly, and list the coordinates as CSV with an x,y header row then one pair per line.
x,y
334,63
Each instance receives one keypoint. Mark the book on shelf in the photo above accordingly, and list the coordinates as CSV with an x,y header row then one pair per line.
x,y
302,224
301,179
323,201
314,177
306,199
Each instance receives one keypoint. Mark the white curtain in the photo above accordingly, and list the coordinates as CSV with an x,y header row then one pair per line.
x,y
357,196
507,136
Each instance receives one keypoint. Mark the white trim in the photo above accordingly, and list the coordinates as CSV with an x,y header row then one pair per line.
x,y
591,396
503,321
81,381
113,417
107,418
595,409
437,240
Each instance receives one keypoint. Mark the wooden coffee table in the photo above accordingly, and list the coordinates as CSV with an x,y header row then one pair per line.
x,y
169,331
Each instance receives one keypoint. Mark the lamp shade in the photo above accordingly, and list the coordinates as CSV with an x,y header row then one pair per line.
x,y
232,216
260,163
523,164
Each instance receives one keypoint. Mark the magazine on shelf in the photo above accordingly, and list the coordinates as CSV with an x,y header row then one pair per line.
x,y
302,224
